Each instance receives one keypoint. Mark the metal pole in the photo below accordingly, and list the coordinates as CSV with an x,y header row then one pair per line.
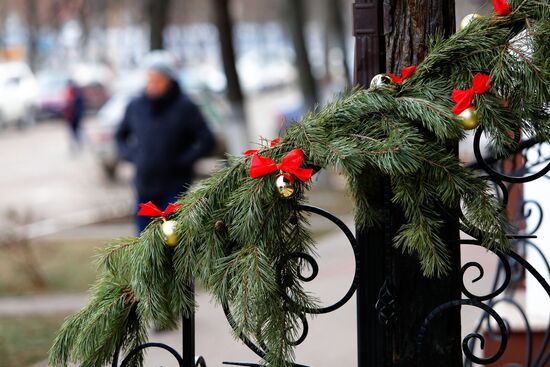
x,y
188,337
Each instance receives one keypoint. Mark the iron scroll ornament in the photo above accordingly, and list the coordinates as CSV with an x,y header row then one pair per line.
x,y
527,164
310,261
199,361
260,349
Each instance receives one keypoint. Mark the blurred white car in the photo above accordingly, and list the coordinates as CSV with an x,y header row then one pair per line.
x,y
259,72
103,136
18,94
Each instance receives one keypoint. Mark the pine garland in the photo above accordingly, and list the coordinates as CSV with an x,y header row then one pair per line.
x,y
237,236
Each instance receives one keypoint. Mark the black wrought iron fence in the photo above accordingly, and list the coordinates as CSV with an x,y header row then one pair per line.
x,y
530,162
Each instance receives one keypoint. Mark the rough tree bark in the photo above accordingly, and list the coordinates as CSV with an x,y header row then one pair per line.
x,y
408,25
237,136
157,10
391,34
296,21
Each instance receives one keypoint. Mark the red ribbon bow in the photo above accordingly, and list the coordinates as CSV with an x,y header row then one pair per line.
x,y
405,73
261,166
149,209
463,98
501,7
272,143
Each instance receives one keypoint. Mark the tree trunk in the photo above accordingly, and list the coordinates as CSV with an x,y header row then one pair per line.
x,y
32,26
3,12
224,23
391,280
408,24
84,20
158,18
335,26
296,19
237,136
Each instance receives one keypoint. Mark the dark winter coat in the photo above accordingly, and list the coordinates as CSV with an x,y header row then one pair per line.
x,y
163,138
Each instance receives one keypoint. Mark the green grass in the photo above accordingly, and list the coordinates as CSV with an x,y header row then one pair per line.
x,y
64,266
25,340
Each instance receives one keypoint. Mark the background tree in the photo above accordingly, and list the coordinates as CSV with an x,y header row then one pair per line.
x,y
31,15
335,32
157,10
236,126
296,20
3,12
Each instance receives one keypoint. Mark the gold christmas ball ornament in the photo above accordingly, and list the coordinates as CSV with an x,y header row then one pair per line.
x,y
379,80
469,118
467,20
168,229
285,185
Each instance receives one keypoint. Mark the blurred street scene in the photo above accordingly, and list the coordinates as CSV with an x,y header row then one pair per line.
x,y
252,67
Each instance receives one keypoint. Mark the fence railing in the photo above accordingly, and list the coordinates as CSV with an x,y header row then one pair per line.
x,y
529,163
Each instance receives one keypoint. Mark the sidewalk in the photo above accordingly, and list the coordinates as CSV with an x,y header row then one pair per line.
x,y
42,304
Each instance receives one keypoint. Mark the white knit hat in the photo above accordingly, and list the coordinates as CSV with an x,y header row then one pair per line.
x,y
163,62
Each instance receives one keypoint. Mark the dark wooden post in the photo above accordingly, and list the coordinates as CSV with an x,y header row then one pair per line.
x,y
394,297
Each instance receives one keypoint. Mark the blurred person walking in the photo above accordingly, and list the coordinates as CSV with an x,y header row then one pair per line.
x,y
73,113
163,134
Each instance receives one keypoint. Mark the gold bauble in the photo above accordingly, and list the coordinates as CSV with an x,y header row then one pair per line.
x,y
168,229
379,80
467,20
469,118
285,185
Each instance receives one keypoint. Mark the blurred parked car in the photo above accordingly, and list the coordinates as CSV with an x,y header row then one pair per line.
x,y
51,99
95,95
18,94
93,80
202,79
103,136
259,72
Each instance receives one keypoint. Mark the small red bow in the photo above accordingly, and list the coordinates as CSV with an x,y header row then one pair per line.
x,y
405,73
501,7
151,210
463,98
261,166
272,143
